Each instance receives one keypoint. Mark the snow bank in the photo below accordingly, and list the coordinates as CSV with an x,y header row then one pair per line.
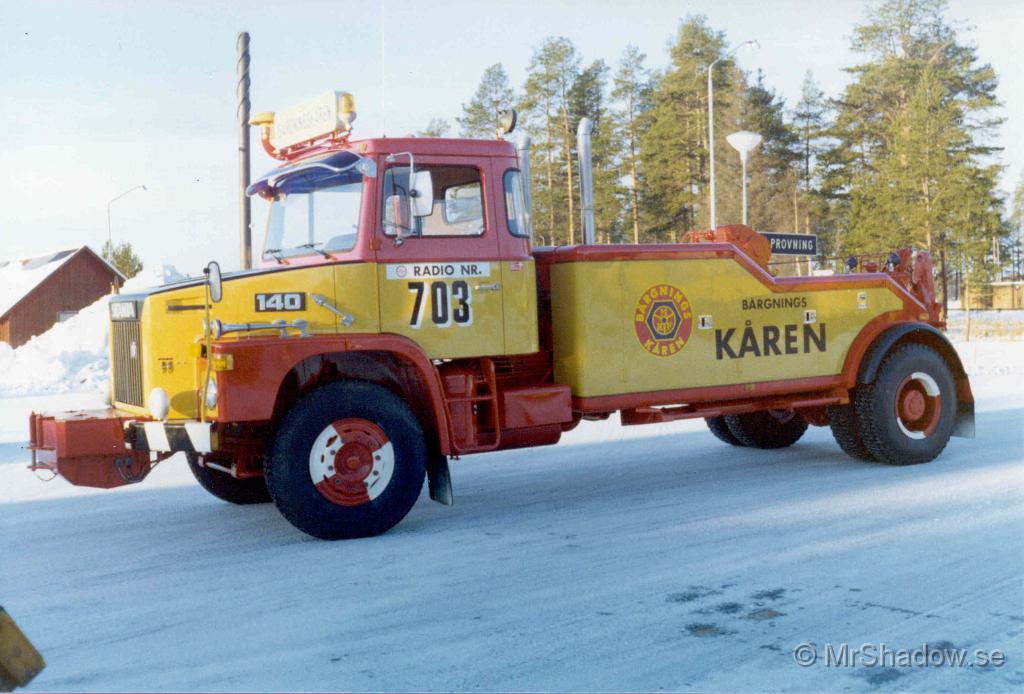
x,y
73,355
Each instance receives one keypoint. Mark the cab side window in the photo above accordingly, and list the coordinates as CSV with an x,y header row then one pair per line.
x,y
516,214
458,205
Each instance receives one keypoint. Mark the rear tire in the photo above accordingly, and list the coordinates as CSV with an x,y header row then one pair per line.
x,y
248,490
842,419
720,429
907,414
767,429
348,460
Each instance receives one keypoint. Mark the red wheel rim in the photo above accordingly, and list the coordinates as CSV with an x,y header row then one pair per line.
x,y
918,405
351,462
782,416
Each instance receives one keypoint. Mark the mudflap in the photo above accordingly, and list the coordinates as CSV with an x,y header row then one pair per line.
x,y
87,448
439,479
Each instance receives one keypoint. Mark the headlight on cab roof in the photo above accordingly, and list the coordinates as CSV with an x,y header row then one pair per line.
x,y
124,310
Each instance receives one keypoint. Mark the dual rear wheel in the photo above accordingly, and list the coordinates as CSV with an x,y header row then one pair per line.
x,y
765,429
905,416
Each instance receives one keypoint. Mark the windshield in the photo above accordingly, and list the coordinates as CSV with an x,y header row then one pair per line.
x,y
324,220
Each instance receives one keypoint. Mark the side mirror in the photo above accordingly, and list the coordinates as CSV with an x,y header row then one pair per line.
x,y
214,281
422,194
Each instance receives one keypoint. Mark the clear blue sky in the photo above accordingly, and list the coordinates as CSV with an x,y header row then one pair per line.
x,y
101,96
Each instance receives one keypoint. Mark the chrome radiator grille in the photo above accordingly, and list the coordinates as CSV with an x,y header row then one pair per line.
x,y
127,365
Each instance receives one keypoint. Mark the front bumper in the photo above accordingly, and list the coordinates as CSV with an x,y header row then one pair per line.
x,y
170,437
109,448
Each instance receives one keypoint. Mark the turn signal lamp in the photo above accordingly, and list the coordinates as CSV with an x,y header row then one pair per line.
x,y
222,362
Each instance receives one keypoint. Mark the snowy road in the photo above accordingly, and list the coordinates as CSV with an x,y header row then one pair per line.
x,y
647,558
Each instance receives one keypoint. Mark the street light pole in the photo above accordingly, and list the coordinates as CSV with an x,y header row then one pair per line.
x,y
711,123
110,237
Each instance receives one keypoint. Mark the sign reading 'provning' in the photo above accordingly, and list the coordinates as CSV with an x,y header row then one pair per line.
x,y
792,244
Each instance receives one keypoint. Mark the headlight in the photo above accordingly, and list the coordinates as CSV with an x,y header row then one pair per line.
x,y
211,393
158,403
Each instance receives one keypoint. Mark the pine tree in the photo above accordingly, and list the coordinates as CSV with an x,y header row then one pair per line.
x,y
810,121
123,258
632,90
772,167
437,127
909,166
1016,250
673,149
494,95
552,70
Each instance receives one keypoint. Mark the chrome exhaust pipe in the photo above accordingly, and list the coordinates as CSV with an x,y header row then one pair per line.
x,y
586,179
523,151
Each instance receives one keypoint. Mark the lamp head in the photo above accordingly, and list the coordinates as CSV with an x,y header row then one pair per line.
x,y
744,141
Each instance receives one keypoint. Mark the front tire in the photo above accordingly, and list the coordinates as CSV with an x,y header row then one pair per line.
x,y
907,414
767,428
348,460
248,490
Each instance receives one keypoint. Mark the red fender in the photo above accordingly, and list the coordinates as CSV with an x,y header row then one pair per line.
x,y
249,390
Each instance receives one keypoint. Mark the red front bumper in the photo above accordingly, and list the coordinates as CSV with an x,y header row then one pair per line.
x,y
87,448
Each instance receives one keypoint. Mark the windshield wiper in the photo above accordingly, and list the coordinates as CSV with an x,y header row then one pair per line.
x,y
276,254
313,247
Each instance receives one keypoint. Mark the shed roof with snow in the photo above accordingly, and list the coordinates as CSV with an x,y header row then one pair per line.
x,y
37,292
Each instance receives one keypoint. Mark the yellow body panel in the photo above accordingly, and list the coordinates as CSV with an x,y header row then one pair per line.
x,y
519,297
171,338
598,311
171,327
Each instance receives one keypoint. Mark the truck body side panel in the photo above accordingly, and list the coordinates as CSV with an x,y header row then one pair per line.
x,y
638,325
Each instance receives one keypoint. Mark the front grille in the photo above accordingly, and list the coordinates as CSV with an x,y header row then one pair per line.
x,y
127,366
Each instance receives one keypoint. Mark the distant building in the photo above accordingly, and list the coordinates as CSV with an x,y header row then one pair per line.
x,y
35,293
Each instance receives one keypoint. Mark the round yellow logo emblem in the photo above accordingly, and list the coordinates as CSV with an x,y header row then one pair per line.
x,y
663,320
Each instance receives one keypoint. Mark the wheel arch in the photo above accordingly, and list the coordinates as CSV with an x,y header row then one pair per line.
x,y
387,369
270,373
928,335
411,380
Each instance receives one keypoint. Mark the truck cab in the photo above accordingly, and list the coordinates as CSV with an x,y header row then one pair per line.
x,y
442,221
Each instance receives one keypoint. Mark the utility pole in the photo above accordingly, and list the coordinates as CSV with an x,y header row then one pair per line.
x,y
242,91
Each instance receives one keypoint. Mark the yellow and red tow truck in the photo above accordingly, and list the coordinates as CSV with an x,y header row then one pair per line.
x,y
400,317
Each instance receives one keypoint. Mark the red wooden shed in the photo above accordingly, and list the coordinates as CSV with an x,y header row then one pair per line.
x,y
37,292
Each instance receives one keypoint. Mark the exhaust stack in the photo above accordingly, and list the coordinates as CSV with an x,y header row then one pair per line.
x,y
523,150
586,179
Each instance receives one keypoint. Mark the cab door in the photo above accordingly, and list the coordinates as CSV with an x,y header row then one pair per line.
x,y
441,285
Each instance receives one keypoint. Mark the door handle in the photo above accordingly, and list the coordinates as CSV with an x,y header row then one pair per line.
x,y
487,287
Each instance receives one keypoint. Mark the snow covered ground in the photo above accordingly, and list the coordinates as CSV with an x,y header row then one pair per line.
x,y
640,558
